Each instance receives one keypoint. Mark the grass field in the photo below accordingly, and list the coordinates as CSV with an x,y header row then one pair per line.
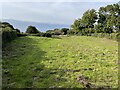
x,y
40,62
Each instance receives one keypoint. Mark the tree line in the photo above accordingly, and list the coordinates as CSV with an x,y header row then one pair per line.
x,y
104,22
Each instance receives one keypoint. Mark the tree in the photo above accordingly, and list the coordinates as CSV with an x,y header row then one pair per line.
x,y
85,25
6,24
108,17
98,28
106,20
71,32
8,32
46,34
65,30
118,23
17,30
57,32
102,15
32,30
89,18
77,26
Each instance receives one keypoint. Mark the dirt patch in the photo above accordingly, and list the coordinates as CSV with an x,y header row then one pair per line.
x,y
84,81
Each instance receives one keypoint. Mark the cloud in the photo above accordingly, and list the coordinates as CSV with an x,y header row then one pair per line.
x,y
59,0
48,12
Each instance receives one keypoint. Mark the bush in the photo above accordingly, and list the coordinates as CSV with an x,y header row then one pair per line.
x,y
32,30
58,32
21,34
118,37
8,32
8,35
64,30
71,32
46,35
106,35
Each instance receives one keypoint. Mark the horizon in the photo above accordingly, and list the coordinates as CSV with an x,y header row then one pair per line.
x,y
4,20
42,27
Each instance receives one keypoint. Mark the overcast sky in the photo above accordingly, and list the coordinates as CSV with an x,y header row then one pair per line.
x,y
59,12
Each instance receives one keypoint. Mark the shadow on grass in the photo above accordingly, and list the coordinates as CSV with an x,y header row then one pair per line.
x,y
23,67
56,37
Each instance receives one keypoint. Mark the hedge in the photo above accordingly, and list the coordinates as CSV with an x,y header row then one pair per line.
x,y
8,35
113,36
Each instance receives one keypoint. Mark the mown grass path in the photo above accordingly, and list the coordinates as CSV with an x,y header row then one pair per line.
x,y
58,62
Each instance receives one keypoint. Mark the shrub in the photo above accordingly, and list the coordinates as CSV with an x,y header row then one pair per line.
x,y
8,32
71,32
106,35
64,30
8,35
17,30
46,35
32,30
21,34
58,32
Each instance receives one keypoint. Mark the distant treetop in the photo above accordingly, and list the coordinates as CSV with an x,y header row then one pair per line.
x,y
32,30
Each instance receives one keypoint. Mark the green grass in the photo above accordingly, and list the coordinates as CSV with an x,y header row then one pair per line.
x,y
40,62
